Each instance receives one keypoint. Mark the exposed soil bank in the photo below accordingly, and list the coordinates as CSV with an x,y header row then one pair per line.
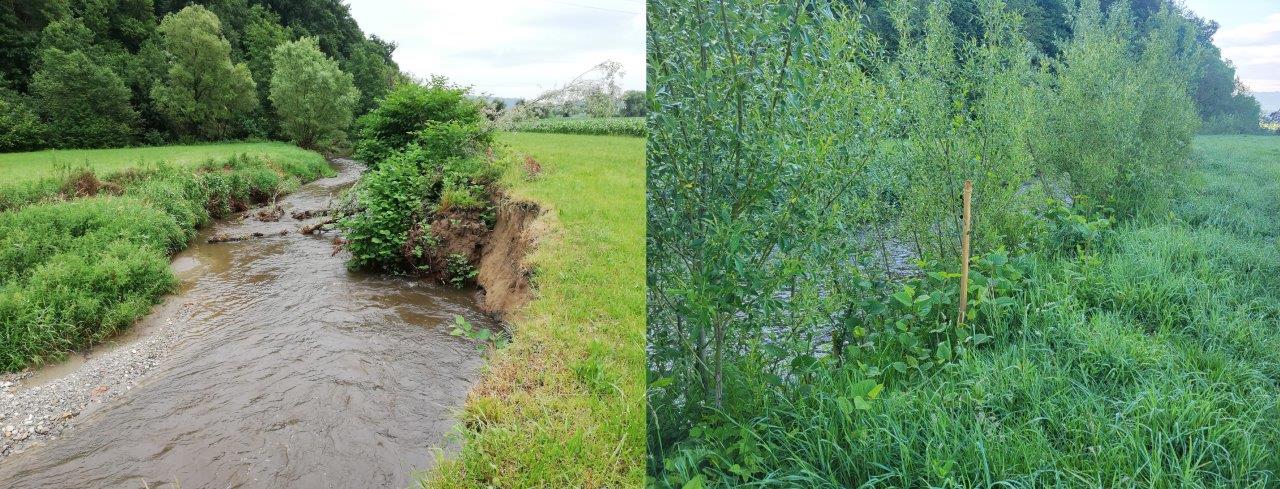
x,y
273,367
503,273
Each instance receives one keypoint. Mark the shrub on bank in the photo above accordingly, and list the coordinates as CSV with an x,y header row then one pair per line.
x,y
76,271
406,111
425,203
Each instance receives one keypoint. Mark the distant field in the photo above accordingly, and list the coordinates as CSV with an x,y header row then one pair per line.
x,y
603,126
23,167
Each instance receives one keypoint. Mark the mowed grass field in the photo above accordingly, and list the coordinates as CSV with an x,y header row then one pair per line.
x,y
563,405
35,165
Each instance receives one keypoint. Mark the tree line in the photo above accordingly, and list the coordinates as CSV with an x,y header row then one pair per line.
x,y
1223,102
107,73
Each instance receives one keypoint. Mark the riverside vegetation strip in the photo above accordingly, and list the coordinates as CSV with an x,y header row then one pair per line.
x,y
563,405
81,263
1120,337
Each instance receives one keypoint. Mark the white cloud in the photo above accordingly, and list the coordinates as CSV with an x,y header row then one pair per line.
x,y
1254,48
510,48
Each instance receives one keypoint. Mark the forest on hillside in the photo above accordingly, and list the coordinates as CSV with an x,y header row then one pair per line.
x,y
108,73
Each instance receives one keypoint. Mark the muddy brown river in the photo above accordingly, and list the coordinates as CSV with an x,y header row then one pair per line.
x,y
289,371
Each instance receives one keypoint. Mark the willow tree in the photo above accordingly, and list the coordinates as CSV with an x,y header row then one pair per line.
x,y
311,95
204,93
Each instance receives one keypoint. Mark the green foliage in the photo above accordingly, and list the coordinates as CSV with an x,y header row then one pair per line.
x,y
459,270
311,95
1130,151
203,94
85,103
487,338
75,272
443,141
391,201
607,126
20,125
373,70
406,111
793,145
634,104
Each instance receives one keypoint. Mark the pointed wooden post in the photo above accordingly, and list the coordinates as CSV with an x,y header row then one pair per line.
x,y
964,255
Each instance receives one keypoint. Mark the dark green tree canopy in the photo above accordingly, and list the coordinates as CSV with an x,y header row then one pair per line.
x,y
204,93
124,36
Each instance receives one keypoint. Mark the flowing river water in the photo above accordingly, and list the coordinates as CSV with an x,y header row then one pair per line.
x,y
288,371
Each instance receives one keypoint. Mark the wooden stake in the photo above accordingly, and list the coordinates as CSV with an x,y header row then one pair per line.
x,y
964,255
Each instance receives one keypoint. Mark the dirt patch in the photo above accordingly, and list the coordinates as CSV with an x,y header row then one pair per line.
x,y
87,184
503,272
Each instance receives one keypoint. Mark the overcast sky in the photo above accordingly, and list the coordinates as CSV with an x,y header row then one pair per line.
x,y
510,48
1249,37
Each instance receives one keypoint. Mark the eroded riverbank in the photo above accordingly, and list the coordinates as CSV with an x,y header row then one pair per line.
x,y
272,366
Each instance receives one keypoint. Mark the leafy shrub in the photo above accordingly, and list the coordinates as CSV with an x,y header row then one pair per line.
x,y
20,126
391,200
406,111
598,126
1131,150
443,141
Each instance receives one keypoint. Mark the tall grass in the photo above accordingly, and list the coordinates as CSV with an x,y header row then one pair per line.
x,y
74,272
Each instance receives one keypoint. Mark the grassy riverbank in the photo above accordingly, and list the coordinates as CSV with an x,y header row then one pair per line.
x,y
91,255
563,405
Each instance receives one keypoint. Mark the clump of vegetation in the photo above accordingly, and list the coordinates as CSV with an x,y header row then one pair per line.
x,y
599,126
77,271
203,91
410,109
807,138
426,206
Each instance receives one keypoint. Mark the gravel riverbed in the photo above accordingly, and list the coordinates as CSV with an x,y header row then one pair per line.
x,y
31,414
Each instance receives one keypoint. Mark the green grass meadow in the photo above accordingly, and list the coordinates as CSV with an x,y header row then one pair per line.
x,y
563,405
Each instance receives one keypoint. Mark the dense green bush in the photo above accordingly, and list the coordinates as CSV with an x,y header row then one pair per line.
x,y
75,272
598,126
20,126
85,104
1129,151
392,199
395,204
437,176
406,111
